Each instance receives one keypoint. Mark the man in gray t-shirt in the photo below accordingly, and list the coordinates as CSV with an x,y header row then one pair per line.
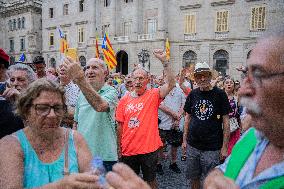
x,y
170,113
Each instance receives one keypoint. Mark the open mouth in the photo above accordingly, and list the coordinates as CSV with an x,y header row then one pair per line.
x,y
91,76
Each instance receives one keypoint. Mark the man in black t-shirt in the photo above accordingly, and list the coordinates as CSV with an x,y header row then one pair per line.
x,y
206,129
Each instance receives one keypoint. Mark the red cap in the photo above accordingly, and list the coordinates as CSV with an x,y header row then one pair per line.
x,y
4,55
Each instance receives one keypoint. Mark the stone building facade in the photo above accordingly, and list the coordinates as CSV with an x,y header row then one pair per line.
x,y
220,32
21,28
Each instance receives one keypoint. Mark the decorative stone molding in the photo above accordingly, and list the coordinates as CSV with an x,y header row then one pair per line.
x,y
51,28
20,7
195,6
65,25
81,23
220,3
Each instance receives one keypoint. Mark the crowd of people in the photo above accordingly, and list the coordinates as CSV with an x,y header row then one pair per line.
x,y
55,121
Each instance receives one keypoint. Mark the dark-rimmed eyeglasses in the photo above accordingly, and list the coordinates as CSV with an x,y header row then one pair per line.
x,y
44,109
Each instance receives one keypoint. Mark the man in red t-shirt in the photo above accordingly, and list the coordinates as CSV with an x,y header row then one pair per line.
x,y
137,116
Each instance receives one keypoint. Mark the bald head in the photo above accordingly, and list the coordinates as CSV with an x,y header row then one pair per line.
x,y
140,71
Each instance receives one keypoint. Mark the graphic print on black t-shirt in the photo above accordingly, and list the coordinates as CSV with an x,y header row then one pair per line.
x,y
203,109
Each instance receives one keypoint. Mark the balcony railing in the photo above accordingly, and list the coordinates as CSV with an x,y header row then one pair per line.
x,y
122,39
190,36
256,33
145,37
222,35
151,36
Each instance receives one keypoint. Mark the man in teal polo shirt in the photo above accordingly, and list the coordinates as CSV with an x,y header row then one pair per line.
x,y
94,112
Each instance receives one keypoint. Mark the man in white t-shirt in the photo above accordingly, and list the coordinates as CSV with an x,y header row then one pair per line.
x,y
170,113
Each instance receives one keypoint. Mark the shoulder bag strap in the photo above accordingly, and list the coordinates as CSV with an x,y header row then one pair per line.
x,y
240,153
66,162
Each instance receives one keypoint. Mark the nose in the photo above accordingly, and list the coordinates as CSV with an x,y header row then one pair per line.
x,y
51,113
247,88
203,77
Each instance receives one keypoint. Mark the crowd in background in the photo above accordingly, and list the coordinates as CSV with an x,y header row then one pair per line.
x,y
54,121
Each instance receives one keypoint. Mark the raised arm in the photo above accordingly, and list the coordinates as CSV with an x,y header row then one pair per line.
x,y
170,80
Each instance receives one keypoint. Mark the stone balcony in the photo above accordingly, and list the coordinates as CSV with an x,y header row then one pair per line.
x,y
122,39
151,36
256,33
221,35
190,36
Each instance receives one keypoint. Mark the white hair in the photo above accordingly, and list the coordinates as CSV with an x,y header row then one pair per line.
x,y
23,67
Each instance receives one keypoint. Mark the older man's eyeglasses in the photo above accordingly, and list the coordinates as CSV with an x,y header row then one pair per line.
x,y
258,75
44,109
139,78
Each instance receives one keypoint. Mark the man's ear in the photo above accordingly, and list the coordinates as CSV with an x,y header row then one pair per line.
x,y
106,72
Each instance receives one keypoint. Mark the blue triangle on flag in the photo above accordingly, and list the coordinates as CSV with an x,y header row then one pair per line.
x,y
22,58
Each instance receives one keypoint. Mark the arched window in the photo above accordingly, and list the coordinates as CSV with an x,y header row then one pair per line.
x,y
23,22
82,60
19,23
189,58
221,60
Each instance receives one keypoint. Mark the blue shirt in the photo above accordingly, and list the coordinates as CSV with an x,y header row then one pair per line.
x,y
245,178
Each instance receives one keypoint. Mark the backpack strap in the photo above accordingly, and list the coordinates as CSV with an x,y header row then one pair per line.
x,y
240,153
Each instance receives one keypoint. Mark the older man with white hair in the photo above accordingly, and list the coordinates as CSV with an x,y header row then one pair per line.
x,y
94,112
20,76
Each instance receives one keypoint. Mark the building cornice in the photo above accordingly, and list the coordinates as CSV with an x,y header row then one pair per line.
x,y
195,6
20,7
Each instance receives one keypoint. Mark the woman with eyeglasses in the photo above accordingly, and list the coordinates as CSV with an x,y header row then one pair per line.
x,y
43,154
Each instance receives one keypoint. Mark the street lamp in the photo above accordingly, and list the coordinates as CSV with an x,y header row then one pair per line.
x,y
144,57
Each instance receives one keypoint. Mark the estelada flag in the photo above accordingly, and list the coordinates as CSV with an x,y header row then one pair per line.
x,y
109,55
168,53
63,43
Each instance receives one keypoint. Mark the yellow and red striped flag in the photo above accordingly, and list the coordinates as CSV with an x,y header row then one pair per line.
x,y
168,53
109,55
97,49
